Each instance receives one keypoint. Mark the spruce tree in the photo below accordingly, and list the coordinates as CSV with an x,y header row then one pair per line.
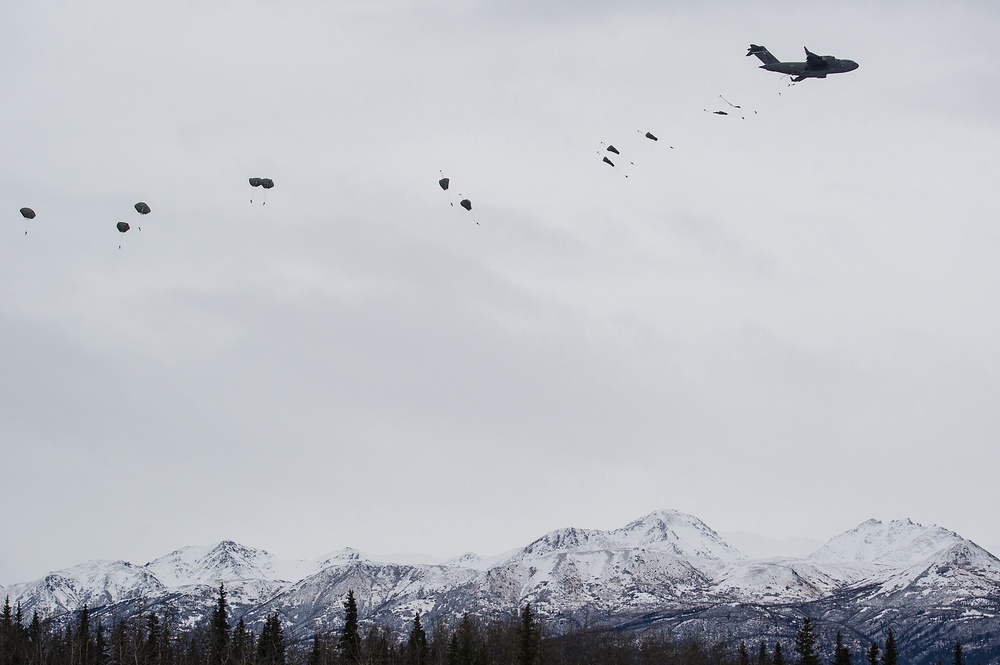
x,y
464,641
890,655
744,655
100,645
762,657
218,631
82,646
841,652
36,640
271,645
242,647
528,638
317,654
416,644
779,657
958,654
349,644
872,654
805,644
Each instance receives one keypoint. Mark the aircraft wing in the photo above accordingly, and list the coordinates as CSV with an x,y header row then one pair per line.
x,y
815,61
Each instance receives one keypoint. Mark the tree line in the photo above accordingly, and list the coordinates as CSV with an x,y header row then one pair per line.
x,y
507,640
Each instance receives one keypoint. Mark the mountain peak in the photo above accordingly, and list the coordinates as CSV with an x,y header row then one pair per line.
x,y
900,542
678,533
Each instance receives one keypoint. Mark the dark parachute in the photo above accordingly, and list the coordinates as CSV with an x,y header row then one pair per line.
x,y
613,149
122,228
444,184
27,213
649,135
266,183
466,203
608,161
143,209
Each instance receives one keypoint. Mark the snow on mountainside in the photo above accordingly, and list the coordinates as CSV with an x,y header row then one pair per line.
x,y
896,544
675,533
93,584
656,570
225,561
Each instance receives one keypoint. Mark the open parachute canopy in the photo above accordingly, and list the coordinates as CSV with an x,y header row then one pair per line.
x,y
142,208
122,227
266,183
466,203
444,183
255,182
27,213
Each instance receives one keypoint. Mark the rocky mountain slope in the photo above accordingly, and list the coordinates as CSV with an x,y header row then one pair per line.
x,y
665,571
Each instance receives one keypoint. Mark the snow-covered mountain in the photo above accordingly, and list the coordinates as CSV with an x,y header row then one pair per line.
x,y
667,570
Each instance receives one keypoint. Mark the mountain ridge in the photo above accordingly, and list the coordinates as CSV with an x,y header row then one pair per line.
x,y
645,574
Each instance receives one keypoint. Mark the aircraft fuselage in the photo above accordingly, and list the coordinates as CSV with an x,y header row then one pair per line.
x,y
806,70
815,66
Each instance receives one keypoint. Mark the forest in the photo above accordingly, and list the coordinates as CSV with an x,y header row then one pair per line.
x,y
523,639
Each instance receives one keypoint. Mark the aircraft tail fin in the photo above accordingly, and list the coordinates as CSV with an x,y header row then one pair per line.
x,y
762,54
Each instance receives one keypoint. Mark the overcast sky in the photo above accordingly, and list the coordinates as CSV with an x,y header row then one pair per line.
x,y
785,325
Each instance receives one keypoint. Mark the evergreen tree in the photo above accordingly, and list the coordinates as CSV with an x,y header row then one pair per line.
x,y
872,654
462,649
743,654
349,644
218,631
958,654
805,644
528,638
318,651
6,632
36,640
416,645
100,645
889,654
779,657
242,648
841,652
151,645
271,645
762,657
82,647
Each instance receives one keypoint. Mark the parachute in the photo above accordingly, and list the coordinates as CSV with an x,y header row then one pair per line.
x,y
266,183
608,161
649,135
122,228
444,184
141,208
613,149
466,203
27,213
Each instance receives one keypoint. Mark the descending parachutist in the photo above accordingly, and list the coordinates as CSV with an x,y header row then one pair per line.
x,y
443,183
735,106
467,204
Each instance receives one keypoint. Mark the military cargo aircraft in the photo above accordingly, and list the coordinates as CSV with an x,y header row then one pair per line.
x,y
815,66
